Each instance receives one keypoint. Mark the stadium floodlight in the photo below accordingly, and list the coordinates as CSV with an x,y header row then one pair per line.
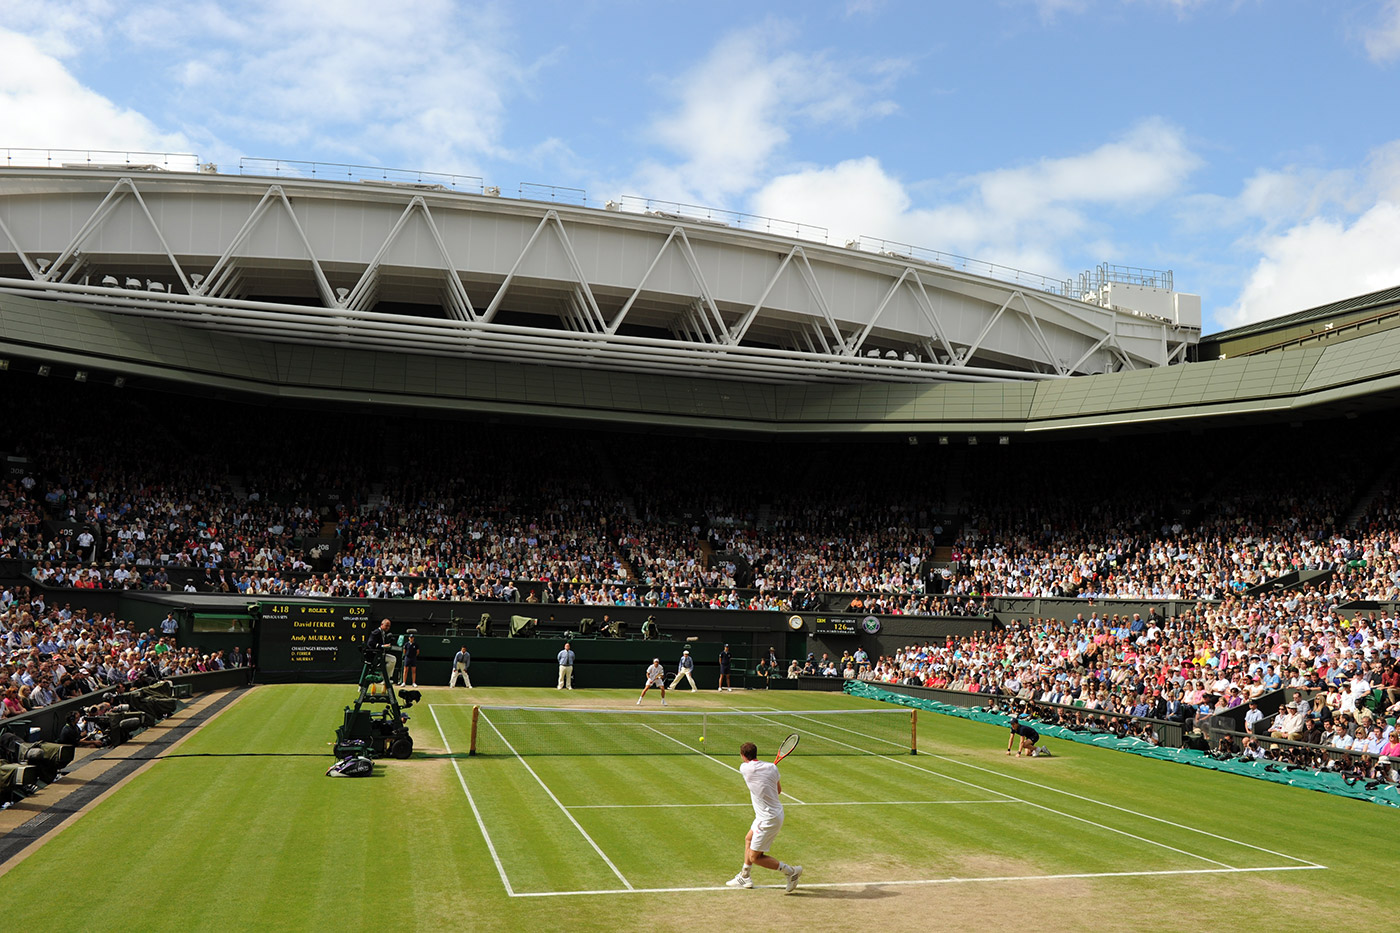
x,y
972,440
340,294
80,376
4,365
913,440
196,279
154,286
1004,440
110,281
119,382
942,440
44,370
133,282
42,265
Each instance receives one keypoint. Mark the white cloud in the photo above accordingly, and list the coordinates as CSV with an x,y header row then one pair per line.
x,y
737,107
420,81
863,7
60,28
1028,216
1310,235
1383,40
1321,261
850,198
1050,9
423,81
43,106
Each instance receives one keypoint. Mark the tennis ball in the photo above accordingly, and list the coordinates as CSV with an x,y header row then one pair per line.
x,y
702,739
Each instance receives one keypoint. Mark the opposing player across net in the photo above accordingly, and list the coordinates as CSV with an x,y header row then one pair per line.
x,y
523,730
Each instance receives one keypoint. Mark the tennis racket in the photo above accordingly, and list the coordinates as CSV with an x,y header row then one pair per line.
x,y
787,747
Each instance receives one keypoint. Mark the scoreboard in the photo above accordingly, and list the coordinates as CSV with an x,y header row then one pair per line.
x,y
826,625
311,641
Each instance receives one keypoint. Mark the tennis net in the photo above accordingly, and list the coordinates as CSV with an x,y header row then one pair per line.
x,y
522,730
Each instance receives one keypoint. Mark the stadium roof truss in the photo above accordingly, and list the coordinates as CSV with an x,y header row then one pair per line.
x,y
413,271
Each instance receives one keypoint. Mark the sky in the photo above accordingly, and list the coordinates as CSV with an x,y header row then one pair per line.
x,y
1250,146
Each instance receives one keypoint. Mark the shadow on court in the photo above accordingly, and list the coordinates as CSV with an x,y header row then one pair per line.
x,y
870,892
228,755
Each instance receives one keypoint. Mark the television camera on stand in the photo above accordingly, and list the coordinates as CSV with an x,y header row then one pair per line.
x,y
365,732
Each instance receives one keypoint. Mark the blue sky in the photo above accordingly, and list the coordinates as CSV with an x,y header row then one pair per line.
x,y
1251,146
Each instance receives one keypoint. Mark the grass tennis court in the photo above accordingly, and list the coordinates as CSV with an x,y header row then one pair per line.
x,y
620,824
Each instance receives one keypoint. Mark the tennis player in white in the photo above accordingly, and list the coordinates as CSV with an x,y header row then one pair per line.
x,y
656,677
765,788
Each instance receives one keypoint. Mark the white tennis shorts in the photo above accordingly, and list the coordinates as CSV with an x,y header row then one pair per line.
x,y
765,832
656,681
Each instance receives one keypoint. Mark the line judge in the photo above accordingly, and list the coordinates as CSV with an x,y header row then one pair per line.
x,y
566,668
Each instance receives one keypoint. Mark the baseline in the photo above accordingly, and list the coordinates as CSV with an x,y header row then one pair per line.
x,y
937,881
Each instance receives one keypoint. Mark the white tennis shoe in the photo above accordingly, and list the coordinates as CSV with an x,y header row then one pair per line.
x,y
792,878
740,881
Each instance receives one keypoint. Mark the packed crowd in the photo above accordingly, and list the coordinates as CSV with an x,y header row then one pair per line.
x,y
50,653
1118,673
566,517
444,511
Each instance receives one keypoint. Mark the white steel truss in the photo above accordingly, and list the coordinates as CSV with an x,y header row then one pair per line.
x,y
709,331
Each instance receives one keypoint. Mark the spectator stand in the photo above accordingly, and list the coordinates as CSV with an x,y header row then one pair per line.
x,y
1332,782
1168,733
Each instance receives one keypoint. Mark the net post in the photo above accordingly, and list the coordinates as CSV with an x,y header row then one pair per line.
x,y
913,732
476,711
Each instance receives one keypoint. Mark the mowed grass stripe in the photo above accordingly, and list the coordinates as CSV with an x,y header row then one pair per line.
x,y
150,857
539,849
1047,811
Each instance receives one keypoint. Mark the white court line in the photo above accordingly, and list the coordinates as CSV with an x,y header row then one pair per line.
x,y
1111,806
796,803
490,846
601,853
1304,863
1029,803
933,881
713,758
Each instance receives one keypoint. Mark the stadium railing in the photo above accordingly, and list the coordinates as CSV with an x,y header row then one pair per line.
x,y
50,719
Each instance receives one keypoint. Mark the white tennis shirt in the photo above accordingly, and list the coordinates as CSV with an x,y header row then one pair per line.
x,y
762,778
